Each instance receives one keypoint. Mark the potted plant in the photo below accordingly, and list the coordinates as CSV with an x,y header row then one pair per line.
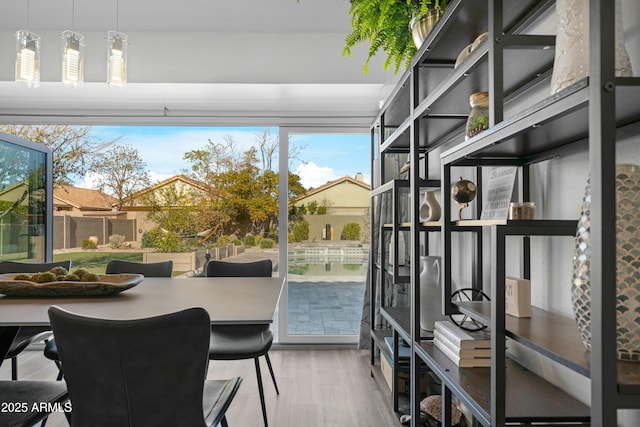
x,y
386,24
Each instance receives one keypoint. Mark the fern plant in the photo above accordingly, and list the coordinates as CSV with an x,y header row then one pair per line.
x,y
385,23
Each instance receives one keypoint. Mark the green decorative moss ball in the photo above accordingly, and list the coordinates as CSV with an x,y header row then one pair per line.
x,y
90,277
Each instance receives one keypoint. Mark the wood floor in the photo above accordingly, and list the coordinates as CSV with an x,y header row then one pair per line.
x,y
318,388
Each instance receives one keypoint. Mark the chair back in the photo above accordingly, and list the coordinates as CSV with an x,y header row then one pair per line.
x,y
122,373
147,269
31,267
260,268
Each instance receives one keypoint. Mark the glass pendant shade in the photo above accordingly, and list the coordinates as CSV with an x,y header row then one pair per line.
x,y
72,58
116,59
27,58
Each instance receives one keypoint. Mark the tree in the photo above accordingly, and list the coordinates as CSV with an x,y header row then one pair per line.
x,y
74,149
122,172
244,195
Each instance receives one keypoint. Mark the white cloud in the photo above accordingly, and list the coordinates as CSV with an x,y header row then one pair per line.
x,y
312,175
90,180
157,177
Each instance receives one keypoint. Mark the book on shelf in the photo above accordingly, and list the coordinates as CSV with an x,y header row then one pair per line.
x,y
462,352
463,362
462,338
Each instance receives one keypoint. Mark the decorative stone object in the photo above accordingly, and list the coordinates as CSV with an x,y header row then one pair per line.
x,y
430,208
627,264
571,62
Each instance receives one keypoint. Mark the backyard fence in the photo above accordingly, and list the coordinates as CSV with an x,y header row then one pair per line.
x,y
70,231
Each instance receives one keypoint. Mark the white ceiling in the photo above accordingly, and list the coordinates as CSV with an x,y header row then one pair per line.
x,y
196,62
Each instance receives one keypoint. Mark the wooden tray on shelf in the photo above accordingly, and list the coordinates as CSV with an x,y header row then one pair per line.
x,y
108,284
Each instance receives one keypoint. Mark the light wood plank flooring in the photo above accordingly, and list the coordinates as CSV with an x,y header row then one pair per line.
x,y
318,388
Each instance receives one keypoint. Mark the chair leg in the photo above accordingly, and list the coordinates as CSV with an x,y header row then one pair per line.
x,y
14,368
273,377
261,391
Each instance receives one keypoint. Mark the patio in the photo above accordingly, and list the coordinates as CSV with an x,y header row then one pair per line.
x,y
318,305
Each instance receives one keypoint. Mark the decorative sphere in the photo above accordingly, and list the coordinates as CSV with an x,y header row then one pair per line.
x,y
463,191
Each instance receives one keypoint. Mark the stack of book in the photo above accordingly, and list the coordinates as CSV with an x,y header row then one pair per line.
x,y
465,348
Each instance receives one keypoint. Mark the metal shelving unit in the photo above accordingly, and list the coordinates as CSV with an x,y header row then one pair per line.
x,y
428,111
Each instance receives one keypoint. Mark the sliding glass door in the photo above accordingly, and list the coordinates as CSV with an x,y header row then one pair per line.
x,y
325,242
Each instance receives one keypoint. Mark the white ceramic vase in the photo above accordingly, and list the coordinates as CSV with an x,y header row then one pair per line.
x,y
571,62
429,208
627,269
430,292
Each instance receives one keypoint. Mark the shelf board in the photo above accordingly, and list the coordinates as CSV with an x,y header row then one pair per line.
x,y
431,225
400,137
529,398
557,121
400,320
522,227
555,336
390,186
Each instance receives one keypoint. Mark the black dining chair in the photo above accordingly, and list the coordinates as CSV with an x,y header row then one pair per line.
x,y
236,342
26,403
116,375
147,269
117,266
28,335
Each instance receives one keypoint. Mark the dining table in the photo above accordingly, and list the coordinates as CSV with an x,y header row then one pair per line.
x,y
228,300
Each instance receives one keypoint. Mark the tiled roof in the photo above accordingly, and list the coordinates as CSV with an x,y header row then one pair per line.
x,y
160,184
82,198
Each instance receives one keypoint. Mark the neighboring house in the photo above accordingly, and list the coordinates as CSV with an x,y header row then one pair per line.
x,y
76,201
177,191
82,213
346,199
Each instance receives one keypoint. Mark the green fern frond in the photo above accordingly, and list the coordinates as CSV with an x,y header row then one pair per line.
x,y
385,23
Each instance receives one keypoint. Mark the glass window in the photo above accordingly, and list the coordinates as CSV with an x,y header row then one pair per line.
x,y
23,199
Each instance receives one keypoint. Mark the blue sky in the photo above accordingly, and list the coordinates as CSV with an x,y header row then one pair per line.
x,y
327,157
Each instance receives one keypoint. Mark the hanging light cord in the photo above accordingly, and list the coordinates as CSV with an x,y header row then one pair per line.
x,y
117,15
73,15
28,12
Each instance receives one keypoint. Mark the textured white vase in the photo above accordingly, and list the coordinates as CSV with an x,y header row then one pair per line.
x,y
429,208
571,62
627,265
430,292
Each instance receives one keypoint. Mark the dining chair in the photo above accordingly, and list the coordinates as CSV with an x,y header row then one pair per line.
x,y
117,266
28,335
26,403
236,342
147,269
117,376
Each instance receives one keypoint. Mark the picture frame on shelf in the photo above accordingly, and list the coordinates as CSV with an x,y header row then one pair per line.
x,y
499,192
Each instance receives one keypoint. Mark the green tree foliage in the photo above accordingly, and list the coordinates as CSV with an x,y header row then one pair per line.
x,y
350,231
244,195
74,148
385,24
301,231
179,208
312,207
122,172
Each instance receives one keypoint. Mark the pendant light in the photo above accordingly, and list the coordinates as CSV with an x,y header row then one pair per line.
x,y
72,55
27,56
116,55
